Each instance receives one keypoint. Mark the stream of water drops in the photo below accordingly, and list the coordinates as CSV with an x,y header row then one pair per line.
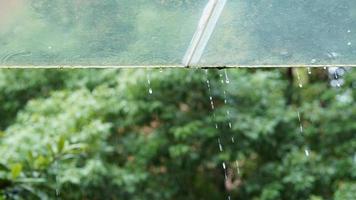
x,y
216,124
227,82
299,79
301,128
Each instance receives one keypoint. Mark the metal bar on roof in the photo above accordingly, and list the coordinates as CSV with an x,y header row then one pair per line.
x,y
204,31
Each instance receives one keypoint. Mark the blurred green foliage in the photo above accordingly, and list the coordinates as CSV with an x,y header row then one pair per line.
x,y
99,134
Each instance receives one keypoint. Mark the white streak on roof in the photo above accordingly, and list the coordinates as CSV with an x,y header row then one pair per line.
x,y
204,31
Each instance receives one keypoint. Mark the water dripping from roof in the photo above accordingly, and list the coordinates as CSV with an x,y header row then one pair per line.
x,y
150,91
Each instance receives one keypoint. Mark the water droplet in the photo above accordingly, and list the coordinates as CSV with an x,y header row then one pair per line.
x,y
309,70
220,145
232,139
349,43
212,105
237,167
349,31
300,122
306,152
313,61
227,81
149,83
224,166
160,69
299,80
230,125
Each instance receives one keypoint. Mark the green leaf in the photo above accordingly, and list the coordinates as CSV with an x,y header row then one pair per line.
x,y
61,143
41,162
16,170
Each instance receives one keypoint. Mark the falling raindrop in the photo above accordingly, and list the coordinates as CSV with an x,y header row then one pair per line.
x,y
220,145
237,167
211,101
211,98
227,80
300,122
301,129
214,118
221,80
225,171
209,88
150,91
306,152
309,70
299,80
349,43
